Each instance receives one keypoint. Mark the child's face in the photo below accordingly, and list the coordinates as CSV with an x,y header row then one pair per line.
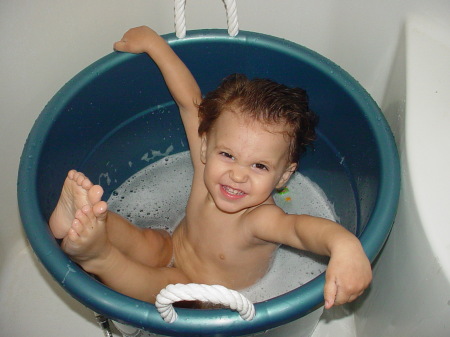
x,y
244,161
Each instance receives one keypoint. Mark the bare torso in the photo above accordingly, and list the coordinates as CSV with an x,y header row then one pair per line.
x,y
216,248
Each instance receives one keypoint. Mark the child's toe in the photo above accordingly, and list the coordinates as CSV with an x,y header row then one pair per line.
x,y
77,227
89,214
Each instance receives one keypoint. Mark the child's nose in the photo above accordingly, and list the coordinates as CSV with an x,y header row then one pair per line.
x,y
238,174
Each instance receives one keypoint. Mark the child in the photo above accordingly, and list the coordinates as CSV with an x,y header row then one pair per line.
x,y
245,139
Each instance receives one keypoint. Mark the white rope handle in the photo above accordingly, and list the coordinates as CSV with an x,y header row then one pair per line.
x,y
216,294
232,19
180,18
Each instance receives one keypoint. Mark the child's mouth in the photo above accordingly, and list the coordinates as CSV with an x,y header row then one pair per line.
x,y
231,192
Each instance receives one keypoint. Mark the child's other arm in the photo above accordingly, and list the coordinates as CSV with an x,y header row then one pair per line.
x,y
179,79
349,272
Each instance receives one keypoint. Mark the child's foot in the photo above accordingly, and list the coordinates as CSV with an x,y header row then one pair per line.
x,y
86,239
77,192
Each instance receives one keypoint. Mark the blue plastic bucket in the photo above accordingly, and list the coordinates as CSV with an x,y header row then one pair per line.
x,y
119,107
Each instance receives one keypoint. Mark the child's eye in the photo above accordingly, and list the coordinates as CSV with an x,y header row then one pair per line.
x,y
226,155
261,166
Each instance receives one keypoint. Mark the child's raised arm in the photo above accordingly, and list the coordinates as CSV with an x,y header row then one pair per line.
x,y
179,79
349,271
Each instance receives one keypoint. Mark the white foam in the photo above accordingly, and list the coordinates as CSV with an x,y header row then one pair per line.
x,y
157,195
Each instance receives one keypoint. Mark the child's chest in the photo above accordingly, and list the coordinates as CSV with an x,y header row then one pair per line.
x,y
217,235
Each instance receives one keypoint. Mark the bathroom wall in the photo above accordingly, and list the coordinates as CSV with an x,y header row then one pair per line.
x,y
45,43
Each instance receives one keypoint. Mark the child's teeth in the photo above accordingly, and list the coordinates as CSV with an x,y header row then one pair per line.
x,y
233,191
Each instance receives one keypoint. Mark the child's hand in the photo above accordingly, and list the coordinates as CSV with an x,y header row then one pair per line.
x,y
136,40
349,273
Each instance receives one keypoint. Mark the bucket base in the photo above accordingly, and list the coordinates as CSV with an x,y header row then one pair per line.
x,y
302,327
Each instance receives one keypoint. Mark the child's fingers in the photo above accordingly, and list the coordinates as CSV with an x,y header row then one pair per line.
x,y
345,295
119,46
329,292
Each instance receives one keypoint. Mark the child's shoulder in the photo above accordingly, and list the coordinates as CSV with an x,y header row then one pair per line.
x,y
267,223
263,213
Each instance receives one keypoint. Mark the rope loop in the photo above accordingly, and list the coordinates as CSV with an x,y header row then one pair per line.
x,y
232,19
180,17
216,294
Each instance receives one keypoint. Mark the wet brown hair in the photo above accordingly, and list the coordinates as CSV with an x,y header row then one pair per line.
x,y
265,101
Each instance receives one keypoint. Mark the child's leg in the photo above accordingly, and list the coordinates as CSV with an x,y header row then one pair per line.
x,y
148,246
88,245
151,247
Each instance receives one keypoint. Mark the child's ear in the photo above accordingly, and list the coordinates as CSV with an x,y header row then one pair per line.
x,y
203,147
286,175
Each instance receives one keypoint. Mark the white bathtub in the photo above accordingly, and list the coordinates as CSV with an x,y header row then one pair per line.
x,y
41,38
410,295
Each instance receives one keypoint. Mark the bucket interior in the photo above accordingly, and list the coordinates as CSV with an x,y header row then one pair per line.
x,y
114,116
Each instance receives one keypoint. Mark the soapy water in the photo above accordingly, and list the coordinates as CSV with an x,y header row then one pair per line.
x,y
156,197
